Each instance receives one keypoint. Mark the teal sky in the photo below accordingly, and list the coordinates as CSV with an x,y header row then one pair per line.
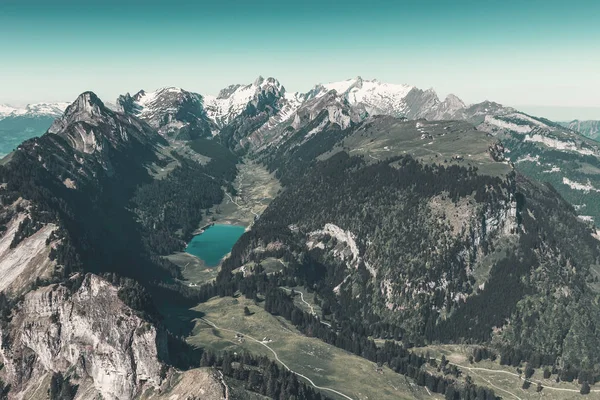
x,y
536,53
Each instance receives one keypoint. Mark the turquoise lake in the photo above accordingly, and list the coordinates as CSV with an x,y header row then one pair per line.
x,y
216,241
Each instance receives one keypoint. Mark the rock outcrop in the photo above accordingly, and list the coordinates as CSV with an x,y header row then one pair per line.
x,y
89,334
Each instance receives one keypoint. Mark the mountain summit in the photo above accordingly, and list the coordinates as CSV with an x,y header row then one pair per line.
x,y
234,99
89,126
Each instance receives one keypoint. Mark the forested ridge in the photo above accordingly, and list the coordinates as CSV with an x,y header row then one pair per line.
x,y
552,251
381,203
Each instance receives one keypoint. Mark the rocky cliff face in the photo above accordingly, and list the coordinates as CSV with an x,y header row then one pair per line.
x,y
312,117
90,334
24,258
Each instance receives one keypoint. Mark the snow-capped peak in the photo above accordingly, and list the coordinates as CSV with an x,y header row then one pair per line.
x,y
234,99
376,97
147,100
6,110
343,86
361,87
33,110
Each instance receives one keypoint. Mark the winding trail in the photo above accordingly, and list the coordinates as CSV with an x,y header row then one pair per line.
x,y
497,371
184,268
222,378
497,387
241,207
277,358
312,310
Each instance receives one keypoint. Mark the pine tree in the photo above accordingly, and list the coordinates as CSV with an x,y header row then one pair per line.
x,y
477,355
539,387
547,373
450,393
227,368
585,388
253,380
529,371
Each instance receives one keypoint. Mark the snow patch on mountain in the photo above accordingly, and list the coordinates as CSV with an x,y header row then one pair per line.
x,y
553,169
360,90
341,87
375,92
289,104
153,102
489,119
588,128
175,112
529,119
530,158
587,187
6,110
316,129
558,144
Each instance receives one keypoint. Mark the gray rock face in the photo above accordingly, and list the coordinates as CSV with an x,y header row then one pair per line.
x,y
20,265
476,113
446,109
419,103
590,129
313,116
91,332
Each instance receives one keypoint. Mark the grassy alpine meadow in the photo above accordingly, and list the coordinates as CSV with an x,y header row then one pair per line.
x,y
506,381
325,365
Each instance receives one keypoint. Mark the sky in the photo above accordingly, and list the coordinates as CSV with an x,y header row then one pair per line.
x,y
520,53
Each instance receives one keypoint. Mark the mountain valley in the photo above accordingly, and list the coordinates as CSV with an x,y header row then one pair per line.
x,y
384,228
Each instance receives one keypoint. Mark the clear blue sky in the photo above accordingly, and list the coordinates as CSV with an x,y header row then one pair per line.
x,y
542,53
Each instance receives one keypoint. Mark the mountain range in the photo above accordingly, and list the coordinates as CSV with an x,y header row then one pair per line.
x,y
263,113
268,95
21,123
408,225
33,110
